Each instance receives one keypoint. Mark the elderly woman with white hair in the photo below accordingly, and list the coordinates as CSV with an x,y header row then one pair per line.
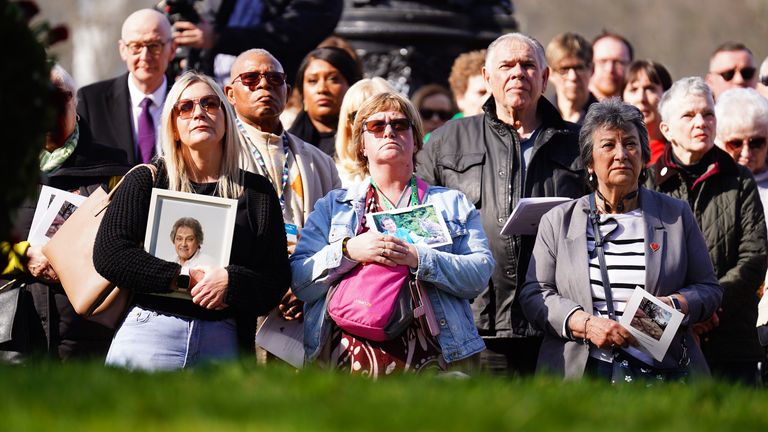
x,y
726,203
201,155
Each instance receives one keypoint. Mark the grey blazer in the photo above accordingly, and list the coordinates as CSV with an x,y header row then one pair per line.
x,y
558,277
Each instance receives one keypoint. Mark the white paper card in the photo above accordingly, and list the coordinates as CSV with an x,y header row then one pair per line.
x,y
54,207
283,338
526,215
652,322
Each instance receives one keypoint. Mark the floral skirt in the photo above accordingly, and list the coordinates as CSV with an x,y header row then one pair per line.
x,y
411,352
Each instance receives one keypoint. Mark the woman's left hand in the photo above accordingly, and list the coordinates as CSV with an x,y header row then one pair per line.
x,y
211,289
409,258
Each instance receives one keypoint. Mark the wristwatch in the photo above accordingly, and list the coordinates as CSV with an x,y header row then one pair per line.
x,y
182,280
676,303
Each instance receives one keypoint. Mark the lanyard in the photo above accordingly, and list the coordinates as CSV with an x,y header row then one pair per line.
x,y
414,194
263,165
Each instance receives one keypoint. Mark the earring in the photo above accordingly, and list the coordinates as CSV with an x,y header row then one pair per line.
x,y
591,177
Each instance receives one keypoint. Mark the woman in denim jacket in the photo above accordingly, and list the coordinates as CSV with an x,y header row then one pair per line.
x,y
335,240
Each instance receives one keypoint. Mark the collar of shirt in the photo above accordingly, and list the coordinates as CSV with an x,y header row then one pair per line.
x,y
158,99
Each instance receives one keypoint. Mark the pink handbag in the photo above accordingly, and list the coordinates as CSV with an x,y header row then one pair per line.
x,y
376,302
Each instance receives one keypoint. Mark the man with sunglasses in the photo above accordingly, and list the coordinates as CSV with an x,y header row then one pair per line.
x,y
300,172
731,66
520,147
124,112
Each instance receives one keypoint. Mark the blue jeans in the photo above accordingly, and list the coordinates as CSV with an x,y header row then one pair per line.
x,y
148,340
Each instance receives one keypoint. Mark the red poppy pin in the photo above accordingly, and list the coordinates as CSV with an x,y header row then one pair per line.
x,y
655,247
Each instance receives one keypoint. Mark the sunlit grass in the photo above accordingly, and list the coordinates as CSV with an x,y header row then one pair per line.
x,y
244,397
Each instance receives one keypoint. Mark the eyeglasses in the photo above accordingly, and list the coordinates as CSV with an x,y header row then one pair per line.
x,y
252,79
578,68
186,107
428,114
378,126
747,73
755,143
154,47
764,80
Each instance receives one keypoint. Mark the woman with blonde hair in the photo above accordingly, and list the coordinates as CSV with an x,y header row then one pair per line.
x,y
335,241
201,156
347,164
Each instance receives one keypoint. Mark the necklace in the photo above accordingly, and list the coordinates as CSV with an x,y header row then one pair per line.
x,y
620,205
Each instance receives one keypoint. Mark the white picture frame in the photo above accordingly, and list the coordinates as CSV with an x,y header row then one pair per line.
x,y
54,206
216,216
430,230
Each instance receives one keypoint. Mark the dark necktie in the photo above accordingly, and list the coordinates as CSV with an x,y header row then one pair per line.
x,y
146,133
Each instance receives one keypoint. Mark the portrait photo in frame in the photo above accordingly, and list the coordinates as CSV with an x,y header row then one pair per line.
x,y
419,225
190,229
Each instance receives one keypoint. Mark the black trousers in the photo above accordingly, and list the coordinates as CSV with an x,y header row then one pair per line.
x,y
514,357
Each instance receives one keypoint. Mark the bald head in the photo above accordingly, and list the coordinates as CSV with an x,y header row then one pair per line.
x,y
147,47
147,20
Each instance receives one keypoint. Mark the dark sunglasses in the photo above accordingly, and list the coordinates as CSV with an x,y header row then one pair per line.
x,y
747,73
186,107
427,114
252,79
764,80
378,126
755,143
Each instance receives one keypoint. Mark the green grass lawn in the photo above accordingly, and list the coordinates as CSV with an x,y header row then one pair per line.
x,y
244,397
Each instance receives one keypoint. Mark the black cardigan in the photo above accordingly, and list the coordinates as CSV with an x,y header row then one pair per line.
x,y
259,274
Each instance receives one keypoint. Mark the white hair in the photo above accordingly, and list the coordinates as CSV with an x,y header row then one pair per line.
x,y
683,87
538,49
741,107
60,76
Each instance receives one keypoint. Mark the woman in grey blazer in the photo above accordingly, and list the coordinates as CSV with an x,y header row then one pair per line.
x,y
650,241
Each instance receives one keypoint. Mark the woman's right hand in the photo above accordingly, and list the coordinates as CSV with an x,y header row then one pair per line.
x,y
375,247
39,267
604,333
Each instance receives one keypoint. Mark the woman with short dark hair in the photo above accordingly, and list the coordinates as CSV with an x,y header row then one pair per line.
x,y
649,241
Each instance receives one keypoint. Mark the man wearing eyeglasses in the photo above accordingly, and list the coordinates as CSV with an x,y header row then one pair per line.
x,y
124,112
570,64
611,54
519,147
731,66
300,172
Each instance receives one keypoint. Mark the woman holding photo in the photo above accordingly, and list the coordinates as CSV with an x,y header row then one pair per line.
x,y
335,240
201,155
650,240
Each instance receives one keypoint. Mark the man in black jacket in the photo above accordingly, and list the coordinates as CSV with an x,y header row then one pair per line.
x,y
520,147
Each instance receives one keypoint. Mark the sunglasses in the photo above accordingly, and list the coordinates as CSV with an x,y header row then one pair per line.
x,y
428,114
755,143
764,80
252,79
378,126
154,47
186,107
747,73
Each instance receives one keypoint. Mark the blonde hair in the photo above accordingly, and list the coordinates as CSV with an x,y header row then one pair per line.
x,y
389,101
230,176
347,158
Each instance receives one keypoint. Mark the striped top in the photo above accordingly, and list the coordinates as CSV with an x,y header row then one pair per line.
x,y
624,246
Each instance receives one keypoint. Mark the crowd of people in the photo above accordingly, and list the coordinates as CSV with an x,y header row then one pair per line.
x,y
667,179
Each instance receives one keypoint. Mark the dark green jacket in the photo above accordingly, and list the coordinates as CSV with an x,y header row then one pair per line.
x,y
727,206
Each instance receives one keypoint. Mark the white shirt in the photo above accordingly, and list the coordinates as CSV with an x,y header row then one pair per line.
x,y
155,110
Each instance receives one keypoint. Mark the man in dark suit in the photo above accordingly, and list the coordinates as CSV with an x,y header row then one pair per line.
x,y
124,112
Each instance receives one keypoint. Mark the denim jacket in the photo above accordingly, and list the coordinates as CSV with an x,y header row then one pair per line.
x,y
455,273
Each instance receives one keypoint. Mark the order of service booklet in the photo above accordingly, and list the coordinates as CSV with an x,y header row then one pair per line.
x,y
526,215
652,322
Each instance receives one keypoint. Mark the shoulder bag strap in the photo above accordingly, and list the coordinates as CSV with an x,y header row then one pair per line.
x,y
595,220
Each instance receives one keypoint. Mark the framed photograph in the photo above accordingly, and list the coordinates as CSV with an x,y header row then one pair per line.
x,y
651,321
190,229
54,206
419,225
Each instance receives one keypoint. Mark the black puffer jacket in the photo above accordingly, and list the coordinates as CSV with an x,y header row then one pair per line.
x,y
480,156
727,206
